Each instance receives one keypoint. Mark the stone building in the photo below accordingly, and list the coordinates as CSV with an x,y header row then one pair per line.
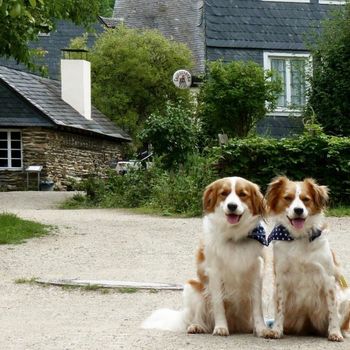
x,y
46,123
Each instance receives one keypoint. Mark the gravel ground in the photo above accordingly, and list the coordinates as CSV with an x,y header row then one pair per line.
x,y
112,244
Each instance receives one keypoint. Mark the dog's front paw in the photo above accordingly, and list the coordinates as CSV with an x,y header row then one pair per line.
x,y
273,334
195,329
222,331
335,336
266,333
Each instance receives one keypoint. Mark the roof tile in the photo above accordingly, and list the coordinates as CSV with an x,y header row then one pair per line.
x,y
45,95
261,24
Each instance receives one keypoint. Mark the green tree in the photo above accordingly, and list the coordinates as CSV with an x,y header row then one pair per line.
x,y
174,134
235,96
330,83
22,20
106,8
132,74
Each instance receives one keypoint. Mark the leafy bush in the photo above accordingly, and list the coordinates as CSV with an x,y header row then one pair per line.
x,y
330,84
235,96
325,158
130,190
168,192
181,191
174,134
131,73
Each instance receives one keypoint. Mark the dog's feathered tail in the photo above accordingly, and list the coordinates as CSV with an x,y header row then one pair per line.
x,y
166,320
345,309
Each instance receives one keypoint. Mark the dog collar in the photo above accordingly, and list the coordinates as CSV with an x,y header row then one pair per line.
x,y
280,233
259,234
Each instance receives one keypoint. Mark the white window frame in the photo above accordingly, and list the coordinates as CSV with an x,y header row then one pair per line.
x,y
10,167
332,2
285,111
44,34
302,1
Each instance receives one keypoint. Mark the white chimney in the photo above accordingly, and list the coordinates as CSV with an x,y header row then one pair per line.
x,y
76,85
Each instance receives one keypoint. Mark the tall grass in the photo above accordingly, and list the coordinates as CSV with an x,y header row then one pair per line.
x,y
167,192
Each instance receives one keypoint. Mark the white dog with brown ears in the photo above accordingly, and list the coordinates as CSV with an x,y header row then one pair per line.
x,y
311,295
227,296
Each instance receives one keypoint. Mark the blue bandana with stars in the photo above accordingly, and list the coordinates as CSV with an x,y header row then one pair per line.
x,y
280,233
259,235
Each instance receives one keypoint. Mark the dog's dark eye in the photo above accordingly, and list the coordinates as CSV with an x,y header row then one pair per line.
x,y
288,198
242,194
225,193
306,199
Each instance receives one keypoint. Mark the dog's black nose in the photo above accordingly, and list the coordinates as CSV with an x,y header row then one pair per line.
x,y
298,211
231,207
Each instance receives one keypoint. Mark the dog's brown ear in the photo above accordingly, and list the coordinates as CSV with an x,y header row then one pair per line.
x,y
273,192
258,201
210,196
319,193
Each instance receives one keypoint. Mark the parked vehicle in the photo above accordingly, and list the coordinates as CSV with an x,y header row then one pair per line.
x,y
145,162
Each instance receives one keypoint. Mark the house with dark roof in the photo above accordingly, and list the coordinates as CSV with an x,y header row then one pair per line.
x,y
269,32
272,33
51,45
52,124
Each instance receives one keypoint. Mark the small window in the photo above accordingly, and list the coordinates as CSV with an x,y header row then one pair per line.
x,y
303,1
10,149
332,2
44,34
292,70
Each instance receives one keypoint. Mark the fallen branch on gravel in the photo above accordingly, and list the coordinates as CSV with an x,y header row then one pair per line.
x,y
111,284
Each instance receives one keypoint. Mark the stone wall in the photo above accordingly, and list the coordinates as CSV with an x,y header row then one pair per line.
x,y
63,155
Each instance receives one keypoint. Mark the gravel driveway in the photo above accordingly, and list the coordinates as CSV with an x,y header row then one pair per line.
x,y
114,245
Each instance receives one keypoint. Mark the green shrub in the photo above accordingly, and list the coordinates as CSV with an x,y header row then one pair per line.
x,y
166,192
235,96
325,158
130,190
94,188
131,72
174,134
181,191
330,83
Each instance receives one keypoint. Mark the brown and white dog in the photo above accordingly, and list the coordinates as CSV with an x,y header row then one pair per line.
x,y
311,296
227,296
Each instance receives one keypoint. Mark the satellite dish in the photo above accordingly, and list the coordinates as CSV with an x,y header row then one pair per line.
x,y
182,79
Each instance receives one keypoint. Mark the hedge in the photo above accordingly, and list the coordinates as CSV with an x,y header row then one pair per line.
x,y
322,157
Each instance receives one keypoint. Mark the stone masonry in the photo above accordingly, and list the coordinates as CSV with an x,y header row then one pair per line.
x,y
63,155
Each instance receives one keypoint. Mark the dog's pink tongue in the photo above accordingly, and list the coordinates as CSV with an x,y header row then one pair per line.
x,y
298,223
233,218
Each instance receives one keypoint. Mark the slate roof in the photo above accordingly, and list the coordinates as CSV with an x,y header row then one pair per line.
x,y
180,20
53,43
45,96
15,111
257,24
